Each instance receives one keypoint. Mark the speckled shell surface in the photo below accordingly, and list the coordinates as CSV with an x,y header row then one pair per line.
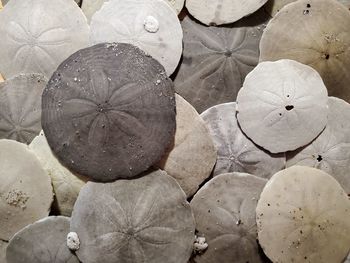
x,y
282,105
20,107
224,210
109,112
143,220
28,45
42,242
303,215
236,152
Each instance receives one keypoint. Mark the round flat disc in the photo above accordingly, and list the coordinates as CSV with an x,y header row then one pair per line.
x,y
237,153
151,25
66,185
217,59
282,105
330,151
25,189
193,155
303,216
218,12
37,35
142,220
42,242
324,42
20,107
109,112
224,210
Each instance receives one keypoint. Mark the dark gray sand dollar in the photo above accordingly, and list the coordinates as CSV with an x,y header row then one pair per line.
x,y
319,36
236,152
37,35
282,105
25,190
109,112
42,242
217,59
224,210
20,107
303,216
330,151
142,220
193,155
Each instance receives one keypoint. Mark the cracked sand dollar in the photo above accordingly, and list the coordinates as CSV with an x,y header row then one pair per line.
x,y
124,22
25,189
323,43
41,242
109,112
224,210
330,151
28,46
192,156
20,107
237,153
303,216
218,12
217,59
66,185
142,220
282,105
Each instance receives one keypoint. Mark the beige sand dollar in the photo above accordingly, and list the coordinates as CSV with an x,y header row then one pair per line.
x,y
282,105
66,185
319,37
25,190
218,12
193,155
303,216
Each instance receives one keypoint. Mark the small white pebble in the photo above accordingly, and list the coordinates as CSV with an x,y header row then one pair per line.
x,y
200,245
73,241
151,24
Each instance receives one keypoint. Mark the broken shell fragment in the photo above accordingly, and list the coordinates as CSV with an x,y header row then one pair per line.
x,y
73,241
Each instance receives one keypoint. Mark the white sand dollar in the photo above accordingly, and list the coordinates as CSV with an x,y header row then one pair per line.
x,y
224,210
28,46
236,152
303,216
330,151
319,37
193,155
129,21
25,189
66,185
218,12
282,105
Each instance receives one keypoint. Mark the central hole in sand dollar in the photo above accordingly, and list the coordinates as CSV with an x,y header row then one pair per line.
x,y
289,107
228,53
102,108
319,158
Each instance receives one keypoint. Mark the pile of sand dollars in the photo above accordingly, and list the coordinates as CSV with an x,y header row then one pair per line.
x,y
172,131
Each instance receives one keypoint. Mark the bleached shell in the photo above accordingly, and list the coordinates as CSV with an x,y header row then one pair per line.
x,y
30,46
123,22
193,155
236,152
303,215
25,190
282,105
66,185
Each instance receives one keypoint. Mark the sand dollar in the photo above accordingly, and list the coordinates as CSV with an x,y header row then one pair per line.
x,y
20,107
25,189
109,112
303,216
143,220
323,43
282,105
217,59
66,185
224,210
42,242
236,152
128,21
193,155
330,151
